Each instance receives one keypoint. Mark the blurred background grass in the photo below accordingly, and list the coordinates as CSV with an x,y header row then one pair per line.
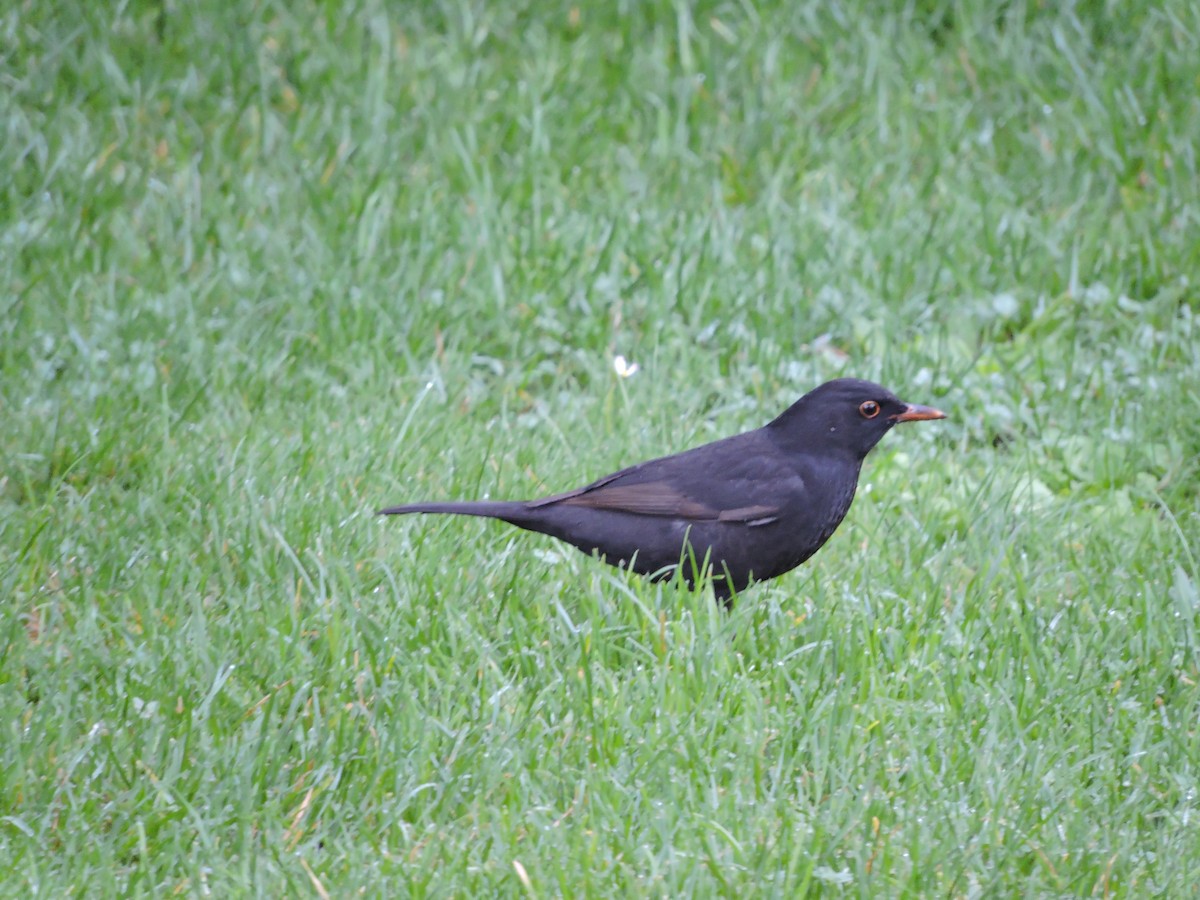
x,y
269,266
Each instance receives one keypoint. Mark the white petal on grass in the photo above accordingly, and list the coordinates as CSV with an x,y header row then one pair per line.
x,y
623,367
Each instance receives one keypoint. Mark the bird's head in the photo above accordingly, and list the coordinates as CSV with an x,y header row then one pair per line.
x,y
847,415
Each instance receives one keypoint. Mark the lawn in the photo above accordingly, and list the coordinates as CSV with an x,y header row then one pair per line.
x,y
266,267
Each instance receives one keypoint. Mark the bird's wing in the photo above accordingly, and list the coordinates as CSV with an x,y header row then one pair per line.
x,y
653,489
657,498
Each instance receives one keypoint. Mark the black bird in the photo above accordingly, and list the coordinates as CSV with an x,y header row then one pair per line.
x,y
754,505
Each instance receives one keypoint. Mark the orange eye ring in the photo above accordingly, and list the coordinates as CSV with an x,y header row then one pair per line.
x,y
869,409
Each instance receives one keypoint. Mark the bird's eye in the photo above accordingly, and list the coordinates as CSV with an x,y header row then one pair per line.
x,y
869,409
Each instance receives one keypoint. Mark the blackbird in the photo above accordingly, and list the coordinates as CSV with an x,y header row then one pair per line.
x,y
753,506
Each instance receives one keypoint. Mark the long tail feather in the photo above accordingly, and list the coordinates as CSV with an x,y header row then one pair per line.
x,y
492,509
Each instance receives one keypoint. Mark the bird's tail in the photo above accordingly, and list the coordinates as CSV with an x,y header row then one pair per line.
x,y
490,509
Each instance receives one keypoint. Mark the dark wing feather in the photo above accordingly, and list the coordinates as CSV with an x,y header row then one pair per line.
x,y
635,490
751,515
652,499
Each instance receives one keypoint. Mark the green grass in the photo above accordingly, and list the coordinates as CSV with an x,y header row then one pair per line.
x,y
266,267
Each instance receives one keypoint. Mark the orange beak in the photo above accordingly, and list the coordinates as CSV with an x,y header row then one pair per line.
x,y
916,413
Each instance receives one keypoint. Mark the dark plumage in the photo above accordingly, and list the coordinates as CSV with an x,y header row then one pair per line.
x,y
756,504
